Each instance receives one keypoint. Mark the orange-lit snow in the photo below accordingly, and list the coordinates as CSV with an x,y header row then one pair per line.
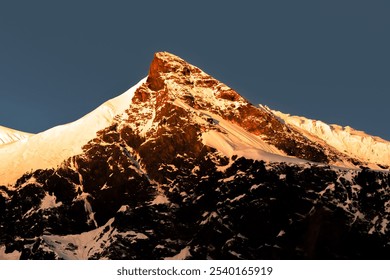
x,y
346,140
50,148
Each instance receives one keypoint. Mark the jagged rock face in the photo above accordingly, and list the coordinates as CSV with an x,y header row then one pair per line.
x,y
147,187
178,79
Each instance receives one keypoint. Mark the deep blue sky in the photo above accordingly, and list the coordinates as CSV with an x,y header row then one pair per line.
x,y
327,60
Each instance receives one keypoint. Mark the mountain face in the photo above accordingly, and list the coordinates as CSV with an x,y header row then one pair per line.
x,y
364,147
183,167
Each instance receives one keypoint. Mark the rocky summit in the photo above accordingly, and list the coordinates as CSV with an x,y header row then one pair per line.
x,y
189,169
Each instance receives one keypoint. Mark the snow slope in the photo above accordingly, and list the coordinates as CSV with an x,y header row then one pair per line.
x,y
9,135
347,140
84,245
79,246
15,255
50,148
230,139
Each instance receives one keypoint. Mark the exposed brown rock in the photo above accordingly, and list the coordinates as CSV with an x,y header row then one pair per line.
x,y
164,62
154,80
140,95
229,95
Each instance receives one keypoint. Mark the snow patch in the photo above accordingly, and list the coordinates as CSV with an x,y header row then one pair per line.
x,y
137,235
330,188
384,224
237,198
184,254
160,199
15,255
80,246
49,201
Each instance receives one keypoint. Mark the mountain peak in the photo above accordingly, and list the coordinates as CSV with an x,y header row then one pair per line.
x,y
182,166
166,56
164,62
174,81
166,66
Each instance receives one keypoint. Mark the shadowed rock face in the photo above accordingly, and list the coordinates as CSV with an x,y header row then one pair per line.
x,y
146,187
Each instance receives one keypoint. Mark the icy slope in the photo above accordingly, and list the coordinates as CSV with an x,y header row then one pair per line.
x,y
230,139
8,135
80,246
49,148
345,139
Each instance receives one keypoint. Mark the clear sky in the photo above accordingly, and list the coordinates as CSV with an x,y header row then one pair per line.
x,y
327,60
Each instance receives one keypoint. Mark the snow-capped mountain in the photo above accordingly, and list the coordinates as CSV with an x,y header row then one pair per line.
x,y
50,148
182,166
240,128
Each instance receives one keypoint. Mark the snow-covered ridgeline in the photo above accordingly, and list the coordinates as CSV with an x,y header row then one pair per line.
x,y
9,135
345,139
50,148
